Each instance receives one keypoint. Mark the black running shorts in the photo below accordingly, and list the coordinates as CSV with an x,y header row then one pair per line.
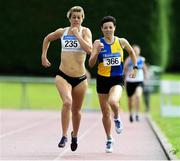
x,y
74,81
104,84
131,87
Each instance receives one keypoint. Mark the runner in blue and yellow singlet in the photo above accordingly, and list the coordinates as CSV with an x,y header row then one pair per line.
x,y
110,59
108,51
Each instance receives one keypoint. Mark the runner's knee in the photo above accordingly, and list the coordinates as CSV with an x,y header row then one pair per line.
x,y
76,111
67,103
113,102
106,113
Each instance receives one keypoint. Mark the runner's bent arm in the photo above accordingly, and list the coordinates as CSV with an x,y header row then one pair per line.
x,y
46,42
125,44
95,51
85,40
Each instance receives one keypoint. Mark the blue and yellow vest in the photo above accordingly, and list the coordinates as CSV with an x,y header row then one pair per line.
x,y
110,59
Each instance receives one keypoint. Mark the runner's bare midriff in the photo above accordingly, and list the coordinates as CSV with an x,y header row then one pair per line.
x,y
72,63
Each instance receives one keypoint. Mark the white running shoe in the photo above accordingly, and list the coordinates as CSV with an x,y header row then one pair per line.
x,y
118,125
109,146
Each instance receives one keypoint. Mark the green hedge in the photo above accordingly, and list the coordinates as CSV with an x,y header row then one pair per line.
x,y
24,24
174,64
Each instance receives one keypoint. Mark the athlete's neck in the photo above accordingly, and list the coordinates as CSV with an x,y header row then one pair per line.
x,y
109,40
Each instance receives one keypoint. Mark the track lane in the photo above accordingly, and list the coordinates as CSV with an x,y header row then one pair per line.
x,y
39,142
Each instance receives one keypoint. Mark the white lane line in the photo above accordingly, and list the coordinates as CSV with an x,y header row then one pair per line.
x,y
79,138
23,128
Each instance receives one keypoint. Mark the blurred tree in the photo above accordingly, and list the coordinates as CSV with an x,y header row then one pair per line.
x,y
25,23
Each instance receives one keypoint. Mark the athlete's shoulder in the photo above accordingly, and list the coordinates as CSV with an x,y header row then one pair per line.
x,y
143,58
60,31
117,37
85,29
123,40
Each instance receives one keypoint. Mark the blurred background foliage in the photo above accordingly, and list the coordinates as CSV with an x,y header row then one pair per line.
x,y
153,24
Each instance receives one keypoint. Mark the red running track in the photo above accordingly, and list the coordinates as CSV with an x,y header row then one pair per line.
x,y
34,135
